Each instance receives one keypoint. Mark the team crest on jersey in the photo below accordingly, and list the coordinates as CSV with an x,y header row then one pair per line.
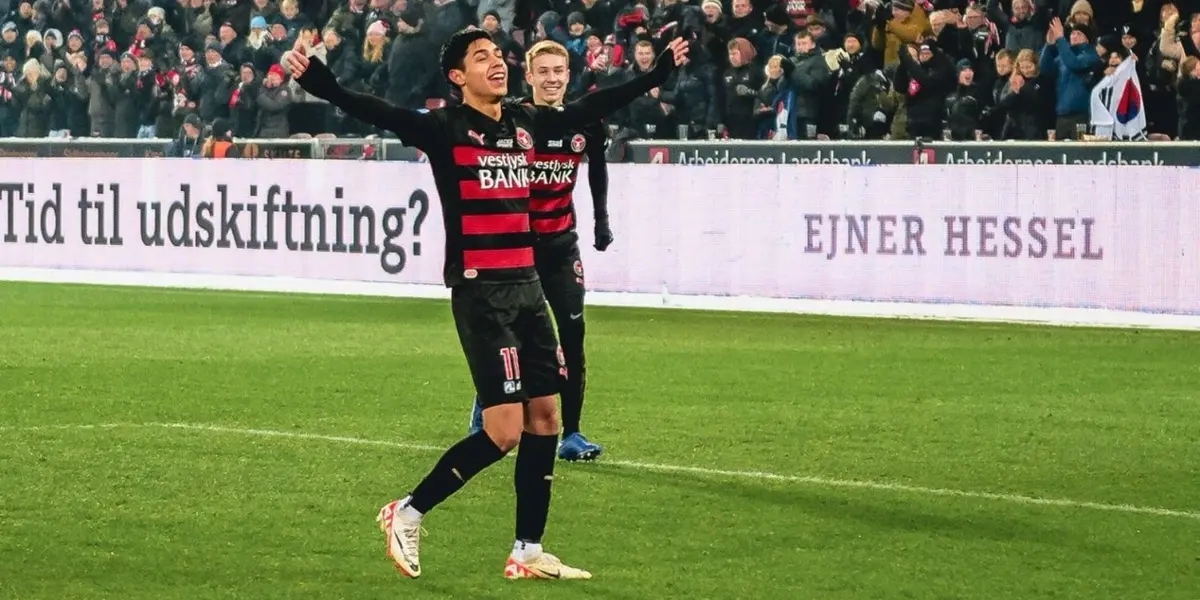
x,y
478,137
578,142
579,268
524,140
470,274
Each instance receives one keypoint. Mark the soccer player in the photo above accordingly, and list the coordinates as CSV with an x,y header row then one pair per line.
x,y
479,152
556,157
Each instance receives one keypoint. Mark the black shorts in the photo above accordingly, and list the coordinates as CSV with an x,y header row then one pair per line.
x,y
508,339
561,272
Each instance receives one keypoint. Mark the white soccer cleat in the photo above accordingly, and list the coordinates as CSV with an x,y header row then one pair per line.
x,y
543,566
403,537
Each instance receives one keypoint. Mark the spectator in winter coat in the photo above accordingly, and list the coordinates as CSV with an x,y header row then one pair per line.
x,y
274,100
810,78
1022,100
101,111
292,19
1177,47
505,12
773,98
443,18
146,97
33,100
232,46
1189,99
122,84
215,84
855,64
873,103
235,12
692,94
964,105
1025,29
743,80
243,103
10,113
924,78
1069,59
188,142
576,30
412,64
69,93
777,36
261,50
10,44
265,9
906,24
648,116
52,43
514,56
1081,15
744,22
349,20
599,14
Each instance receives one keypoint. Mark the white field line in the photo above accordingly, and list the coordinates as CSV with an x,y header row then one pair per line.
x,y
661,468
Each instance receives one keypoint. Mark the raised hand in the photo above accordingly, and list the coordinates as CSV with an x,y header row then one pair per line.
x,y
296,61
679,51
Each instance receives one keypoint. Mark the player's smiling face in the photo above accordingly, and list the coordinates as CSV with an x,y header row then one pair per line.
x,y
548,76
485,73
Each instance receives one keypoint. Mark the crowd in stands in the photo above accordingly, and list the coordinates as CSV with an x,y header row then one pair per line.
x,y
761,69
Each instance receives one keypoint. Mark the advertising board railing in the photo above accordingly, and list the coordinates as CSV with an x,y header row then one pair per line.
x,y
1004,241
678,152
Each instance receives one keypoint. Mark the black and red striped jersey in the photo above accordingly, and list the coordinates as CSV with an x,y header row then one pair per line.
x,y
483,167
555,171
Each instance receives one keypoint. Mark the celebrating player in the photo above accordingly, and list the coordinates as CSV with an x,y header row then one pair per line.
x,y
479,152
556,157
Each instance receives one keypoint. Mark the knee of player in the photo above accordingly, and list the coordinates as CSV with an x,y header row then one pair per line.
x,y
506,438
541,416
504,425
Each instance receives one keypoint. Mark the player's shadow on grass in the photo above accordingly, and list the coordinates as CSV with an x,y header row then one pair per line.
x,y
517,590
886,509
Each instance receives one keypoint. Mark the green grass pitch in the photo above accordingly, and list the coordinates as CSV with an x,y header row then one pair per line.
x,y
818,458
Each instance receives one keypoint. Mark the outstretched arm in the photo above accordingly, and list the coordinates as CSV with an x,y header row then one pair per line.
x,y
598,182
416,129
606,101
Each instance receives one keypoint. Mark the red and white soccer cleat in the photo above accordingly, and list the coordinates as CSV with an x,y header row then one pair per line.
x,y
403,537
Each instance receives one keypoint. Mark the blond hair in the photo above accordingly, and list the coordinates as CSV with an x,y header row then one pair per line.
x,y
1028,56
373,50
544,48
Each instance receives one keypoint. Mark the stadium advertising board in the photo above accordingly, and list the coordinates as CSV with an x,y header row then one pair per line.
x,y
902,153
1124,238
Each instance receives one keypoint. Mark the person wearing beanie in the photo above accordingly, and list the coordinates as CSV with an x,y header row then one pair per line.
x,y
777,34
274,102
189,141
1069,58
505,12
907,23
220,143
964,106
853,64
924,79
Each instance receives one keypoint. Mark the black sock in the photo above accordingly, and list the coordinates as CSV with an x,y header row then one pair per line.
x,y
457,466
571,335
532,479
